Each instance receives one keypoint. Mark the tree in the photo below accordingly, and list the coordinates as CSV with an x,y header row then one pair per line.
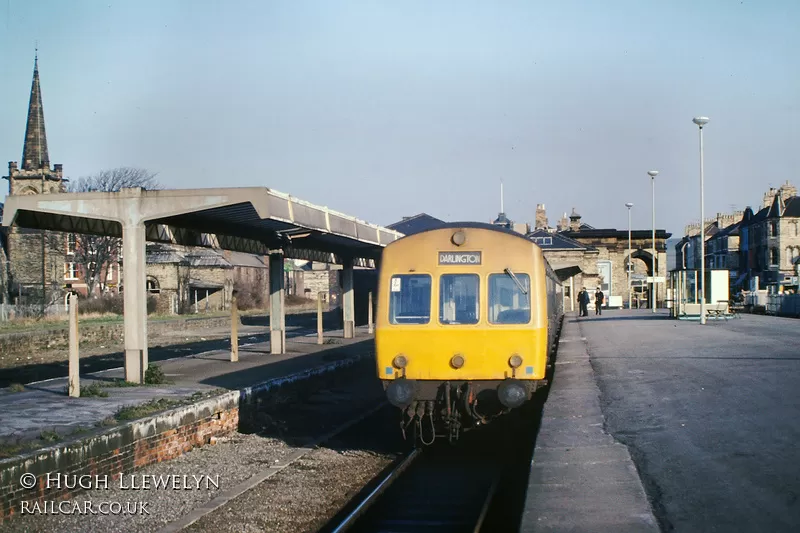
x,y
95,254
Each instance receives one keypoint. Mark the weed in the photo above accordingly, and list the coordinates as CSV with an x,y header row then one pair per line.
x,y
16,387
154,375
118,383
49,436
132,412
106,422
89,391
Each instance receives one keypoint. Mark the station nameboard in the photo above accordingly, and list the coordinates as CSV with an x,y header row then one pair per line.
x,y
459,258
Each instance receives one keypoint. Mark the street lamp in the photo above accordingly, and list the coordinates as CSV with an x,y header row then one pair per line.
x,y
702,121
630,295
653,174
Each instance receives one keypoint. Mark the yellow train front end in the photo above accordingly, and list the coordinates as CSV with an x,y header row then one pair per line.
x,y
462,329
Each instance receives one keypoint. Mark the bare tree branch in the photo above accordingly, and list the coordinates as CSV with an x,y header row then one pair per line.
x,y
96,254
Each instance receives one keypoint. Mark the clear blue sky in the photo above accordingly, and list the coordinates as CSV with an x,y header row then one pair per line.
x,y
385,109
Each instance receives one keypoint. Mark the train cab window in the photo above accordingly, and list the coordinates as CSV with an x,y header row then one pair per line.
x,y
458,299
410,299
509,298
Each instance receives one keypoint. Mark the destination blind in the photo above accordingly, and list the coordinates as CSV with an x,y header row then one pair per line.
x,y
459,258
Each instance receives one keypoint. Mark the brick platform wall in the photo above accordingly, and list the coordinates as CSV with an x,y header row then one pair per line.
x,y
122,450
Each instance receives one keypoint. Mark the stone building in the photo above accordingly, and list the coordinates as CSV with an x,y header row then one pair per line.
x,y
197,280
771,241
761,249
36,258
601,254
604,260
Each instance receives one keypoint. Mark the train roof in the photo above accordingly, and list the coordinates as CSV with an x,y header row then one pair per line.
x,y
473,225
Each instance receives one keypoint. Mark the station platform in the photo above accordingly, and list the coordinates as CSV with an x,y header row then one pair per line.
x,y
581,479
44,406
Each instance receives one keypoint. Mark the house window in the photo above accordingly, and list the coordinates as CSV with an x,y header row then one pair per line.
x,y
110,272
773,255
152,285
91,268
70,271
72,243
773,229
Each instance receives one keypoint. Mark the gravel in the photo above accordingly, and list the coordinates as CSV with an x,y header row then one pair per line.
x,y
302,497
307,491
234,459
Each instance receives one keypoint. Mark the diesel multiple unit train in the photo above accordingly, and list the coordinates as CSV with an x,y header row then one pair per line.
x,y
467,318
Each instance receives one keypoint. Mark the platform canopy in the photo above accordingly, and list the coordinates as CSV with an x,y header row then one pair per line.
x,y
254,220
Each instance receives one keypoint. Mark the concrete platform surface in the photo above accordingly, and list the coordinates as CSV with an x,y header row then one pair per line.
x,y
44,406
581,479
710,414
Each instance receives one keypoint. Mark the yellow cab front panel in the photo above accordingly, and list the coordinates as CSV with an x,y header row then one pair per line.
x,y
438,299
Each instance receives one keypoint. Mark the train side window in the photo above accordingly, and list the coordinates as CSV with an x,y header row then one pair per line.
x,y
458,299
410,299
508,303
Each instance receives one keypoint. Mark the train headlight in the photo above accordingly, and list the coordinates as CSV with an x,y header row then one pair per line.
x,y
400,361
515,361
457,361
458,238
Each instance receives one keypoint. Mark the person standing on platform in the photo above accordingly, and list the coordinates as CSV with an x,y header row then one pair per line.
x,y
583,302
598,301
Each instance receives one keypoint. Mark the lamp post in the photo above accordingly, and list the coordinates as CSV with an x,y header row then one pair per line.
x,y
653,174
630,295
702,121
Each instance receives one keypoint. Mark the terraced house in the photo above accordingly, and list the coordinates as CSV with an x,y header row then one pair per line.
x,y
760,248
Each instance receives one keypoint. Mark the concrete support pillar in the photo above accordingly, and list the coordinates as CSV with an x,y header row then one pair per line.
x,y
277,318
134,301
572,293
369,315
348,301
234,330
320,336
74,340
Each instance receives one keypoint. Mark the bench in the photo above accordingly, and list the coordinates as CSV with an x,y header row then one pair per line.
x,y
721,310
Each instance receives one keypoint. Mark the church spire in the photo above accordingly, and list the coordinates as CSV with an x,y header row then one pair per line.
x,y
34,152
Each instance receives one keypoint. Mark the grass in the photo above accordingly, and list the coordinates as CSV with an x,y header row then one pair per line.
x,y
132,412
119,383
8,449
49,436
16,387
127,413
154,375
95,390
58,322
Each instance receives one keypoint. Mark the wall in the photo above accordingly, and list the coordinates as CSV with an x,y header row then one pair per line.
x,y
123,449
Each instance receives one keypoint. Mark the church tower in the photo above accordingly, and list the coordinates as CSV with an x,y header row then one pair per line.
x,y
35,176
36,257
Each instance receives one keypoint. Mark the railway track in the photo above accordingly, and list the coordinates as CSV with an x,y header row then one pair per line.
x,y
441,489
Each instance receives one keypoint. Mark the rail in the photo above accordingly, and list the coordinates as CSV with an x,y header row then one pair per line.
x,y
365,504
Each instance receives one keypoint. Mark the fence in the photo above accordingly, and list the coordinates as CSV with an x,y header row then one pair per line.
x,y
774,304
16,311
783,304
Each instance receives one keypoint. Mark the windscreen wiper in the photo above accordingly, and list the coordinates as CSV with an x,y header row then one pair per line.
x,y
519,284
